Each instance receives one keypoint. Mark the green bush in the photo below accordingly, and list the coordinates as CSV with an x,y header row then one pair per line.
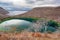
x,y
29,19
22,18
53,24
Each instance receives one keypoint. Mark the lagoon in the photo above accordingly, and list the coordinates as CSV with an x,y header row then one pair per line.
x,y
14,25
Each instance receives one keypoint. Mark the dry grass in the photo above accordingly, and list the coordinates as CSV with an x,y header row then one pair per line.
x,y
29,36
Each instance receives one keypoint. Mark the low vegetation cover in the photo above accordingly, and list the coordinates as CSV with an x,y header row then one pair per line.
x,y
45,26
42,24
41,29
22,18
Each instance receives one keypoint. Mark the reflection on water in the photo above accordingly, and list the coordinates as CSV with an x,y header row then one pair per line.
x,y
15,24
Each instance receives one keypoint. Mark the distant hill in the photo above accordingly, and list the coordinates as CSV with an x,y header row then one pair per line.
x,y
43,12
3,13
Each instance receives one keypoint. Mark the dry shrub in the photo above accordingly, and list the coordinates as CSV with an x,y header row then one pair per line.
x,y
29,36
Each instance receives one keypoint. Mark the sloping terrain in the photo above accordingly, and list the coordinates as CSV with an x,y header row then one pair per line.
x,y
3,13
43,12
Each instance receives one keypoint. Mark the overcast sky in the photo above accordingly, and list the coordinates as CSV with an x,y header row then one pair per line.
x,y
25,5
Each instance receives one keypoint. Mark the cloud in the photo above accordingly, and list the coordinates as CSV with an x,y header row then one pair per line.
x,y
11,7
16,7
17,2
26,4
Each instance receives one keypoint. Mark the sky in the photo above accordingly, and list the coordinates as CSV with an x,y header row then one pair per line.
x,y
26,5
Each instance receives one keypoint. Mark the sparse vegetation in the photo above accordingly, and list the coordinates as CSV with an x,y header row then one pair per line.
x,y
53,24
41,23
44,25
39,28
22,18
29,36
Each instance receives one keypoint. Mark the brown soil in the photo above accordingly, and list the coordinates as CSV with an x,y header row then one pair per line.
x,y
29,36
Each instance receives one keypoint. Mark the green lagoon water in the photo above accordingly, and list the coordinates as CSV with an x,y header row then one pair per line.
x,y
14,25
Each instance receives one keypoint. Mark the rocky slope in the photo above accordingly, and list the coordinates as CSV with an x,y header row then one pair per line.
x,y
3,13
43,12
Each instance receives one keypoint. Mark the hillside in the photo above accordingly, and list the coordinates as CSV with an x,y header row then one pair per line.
x,y
43,12
3,13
